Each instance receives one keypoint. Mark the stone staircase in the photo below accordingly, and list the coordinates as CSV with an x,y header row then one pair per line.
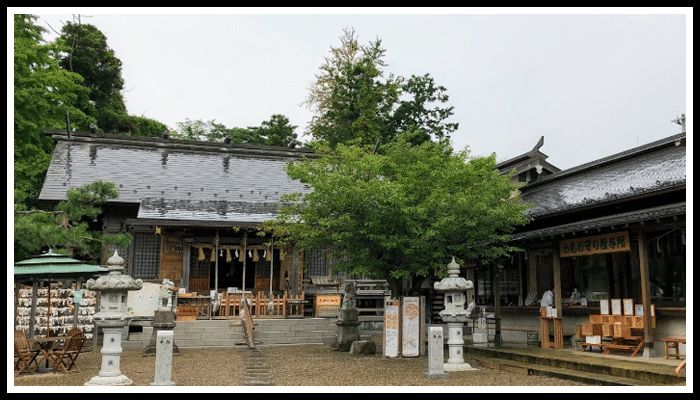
x,y
223,333
574,366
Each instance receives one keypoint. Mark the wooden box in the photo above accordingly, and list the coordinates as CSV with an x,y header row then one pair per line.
x,y
607,330
637,322
621,330
596,318
186,313
591,329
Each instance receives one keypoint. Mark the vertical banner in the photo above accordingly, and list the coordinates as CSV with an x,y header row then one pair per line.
x,y
411,326
391,327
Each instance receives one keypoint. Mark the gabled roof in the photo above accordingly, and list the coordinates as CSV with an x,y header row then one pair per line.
x,y
646,169
526,161
176,179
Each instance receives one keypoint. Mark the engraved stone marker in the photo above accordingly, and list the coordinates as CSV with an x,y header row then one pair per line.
x,y
164,359
435,354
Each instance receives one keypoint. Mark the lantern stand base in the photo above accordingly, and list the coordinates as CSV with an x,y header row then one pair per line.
x,y
121,380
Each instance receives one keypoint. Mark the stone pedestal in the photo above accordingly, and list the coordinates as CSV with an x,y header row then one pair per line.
x,y
110,374
348,324
347,331
455,343
162,321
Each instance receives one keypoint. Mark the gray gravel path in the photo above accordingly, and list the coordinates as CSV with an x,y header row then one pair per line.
x,y
301,365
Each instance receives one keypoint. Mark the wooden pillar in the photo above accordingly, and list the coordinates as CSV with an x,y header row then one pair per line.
x,y
646,294
497,304
32,312
556,277
532,273
186,254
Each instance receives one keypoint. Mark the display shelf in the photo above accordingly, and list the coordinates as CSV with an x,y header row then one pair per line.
x,y
60,317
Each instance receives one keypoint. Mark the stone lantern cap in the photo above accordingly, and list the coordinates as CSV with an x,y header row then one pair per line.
x,y
453,282
115,280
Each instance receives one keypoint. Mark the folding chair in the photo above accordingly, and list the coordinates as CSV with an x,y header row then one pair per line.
x,y
65,357
26,356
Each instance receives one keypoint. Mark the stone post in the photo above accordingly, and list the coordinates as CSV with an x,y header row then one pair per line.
x,y
112,318
455,315
436,356
164,359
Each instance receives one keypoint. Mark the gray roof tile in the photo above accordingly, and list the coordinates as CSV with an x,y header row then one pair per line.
x,y
170,183
613,178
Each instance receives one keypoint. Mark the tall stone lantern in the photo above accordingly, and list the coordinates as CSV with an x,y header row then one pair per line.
x,y
455,315
112,318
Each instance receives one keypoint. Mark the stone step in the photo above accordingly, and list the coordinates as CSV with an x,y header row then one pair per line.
x,y
561,373
229,333
578,366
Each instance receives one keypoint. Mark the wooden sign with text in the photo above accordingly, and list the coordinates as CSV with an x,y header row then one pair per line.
x,y
600,244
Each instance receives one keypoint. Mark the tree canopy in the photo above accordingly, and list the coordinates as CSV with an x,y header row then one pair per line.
x,y
276,131
67,227
354,102
401,212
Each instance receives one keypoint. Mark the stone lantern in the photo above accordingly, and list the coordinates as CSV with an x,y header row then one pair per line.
x,y
112,318
455,315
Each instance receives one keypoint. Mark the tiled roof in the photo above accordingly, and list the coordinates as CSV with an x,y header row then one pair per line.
x,y
669,210
643,170
181,180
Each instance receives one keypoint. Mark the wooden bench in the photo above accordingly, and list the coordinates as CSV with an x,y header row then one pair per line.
x,y
672,343
624,344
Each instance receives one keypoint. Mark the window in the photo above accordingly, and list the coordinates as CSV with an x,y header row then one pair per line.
x,y
315,262
146,255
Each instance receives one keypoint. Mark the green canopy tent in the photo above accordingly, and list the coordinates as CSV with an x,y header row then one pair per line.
x,y
47,267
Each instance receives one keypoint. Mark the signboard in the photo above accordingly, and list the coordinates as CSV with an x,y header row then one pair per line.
x,y
600,244
144,302
391,327
327,305
410,326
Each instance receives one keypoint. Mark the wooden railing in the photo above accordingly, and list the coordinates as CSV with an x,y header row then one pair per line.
x,y
261,306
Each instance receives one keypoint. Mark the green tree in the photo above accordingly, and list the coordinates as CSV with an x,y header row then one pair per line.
x,y
274,132
401,212
43,94
350,99
139,126
354,103
89,55
68,226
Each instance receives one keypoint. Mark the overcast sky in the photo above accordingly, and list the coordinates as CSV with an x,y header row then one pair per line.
x,y
592,85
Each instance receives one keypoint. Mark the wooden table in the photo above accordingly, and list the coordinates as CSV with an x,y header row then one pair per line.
x,y
558,332
46,347
672,343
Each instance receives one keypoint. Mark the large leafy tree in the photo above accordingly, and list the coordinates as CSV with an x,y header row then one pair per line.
x,y
89,55
401,212
355,101
67,227
43,94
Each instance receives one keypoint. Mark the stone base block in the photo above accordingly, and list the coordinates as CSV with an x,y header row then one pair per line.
x,y
363,347
121,380
458,367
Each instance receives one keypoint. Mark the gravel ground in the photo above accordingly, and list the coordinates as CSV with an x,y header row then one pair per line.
x,y
300,365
